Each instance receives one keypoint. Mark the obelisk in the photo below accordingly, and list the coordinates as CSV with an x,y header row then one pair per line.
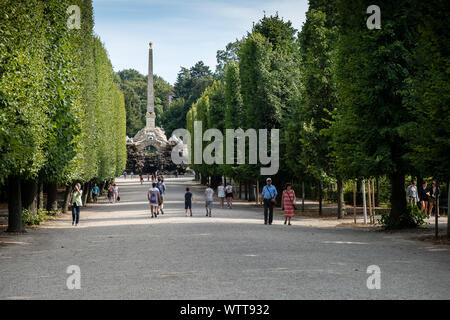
x,y
150,116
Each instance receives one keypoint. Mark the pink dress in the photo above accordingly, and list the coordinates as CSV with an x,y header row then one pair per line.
x,y
288,203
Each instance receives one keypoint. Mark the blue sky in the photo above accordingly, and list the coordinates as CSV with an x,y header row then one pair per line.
x,y
182,31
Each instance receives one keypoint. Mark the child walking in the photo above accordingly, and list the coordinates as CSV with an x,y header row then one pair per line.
x,y
188,202
208,199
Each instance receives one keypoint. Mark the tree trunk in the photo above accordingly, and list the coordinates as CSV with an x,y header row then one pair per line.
x,y
257,192
369,191
377,194
398,196
29,192
89,192
320,197
66,198
240,190
448,209
340,190
246,191
85,193
40,196
15,219
355,187
52,204
303,196
363,191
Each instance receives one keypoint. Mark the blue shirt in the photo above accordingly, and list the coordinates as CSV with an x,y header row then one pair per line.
x,y
95,190
269,192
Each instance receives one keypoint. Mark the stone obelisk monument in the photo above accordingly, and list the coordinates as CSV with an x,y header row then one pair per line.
x,y
150,116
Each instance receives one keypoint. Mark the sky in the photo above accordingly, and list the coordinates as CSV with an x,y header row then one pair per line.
x,y
183,32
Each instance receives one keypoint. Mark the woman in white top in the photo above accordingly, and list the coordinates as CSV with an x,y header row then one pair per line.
x,y
221,194
116,193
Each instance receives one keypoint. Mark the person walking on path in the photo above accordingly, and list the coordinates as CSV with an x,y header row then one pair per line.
x,y
269,194
132,175
116,193
434,195
125,175
288,203
154,198
110,193
95,192
148,177
221,193
412,193
75,200
208,199
141,178
188,201
229,195
162,189
423,196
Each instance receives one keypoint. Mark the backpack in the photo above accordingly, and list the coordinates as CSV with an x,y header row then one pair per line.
x,y
153,197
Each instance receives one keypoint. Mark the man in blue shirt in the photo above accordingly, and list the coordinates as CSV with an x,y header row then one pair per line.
x,y
269,194
95,192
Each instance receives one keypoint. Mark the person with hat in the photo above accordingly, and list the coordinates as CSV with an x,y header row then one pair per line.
x,y
269,194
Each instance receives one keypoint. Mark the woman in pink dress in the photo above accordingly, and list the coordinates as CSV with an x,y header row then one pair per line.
x,y
287,202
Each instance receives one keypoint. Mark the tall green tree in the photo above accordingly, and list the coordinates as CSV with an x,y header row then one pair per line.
x,y
372,66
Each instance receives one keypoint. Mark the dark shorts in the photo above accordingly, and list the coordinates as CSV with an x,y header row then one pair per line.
x,y
187,205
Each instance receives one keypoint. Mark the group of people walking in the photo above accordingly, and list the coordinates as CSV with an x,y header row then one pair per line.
x,y
155,196
425,196
269,195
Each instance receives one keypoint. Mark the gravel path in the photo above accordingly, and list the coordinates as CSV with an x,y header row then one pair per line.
x,y
123,254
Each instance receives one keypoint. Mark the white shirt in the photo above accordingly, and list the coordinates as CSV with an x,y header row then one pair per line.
x,y
221,191
209,194
229,188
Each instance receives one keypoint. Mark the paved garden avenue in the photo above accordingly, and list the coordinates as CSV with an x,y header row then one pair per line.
x,y
123,254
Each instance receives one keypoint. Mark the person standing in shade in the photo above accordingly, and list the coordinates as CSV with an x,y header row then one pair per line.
x,y
95,192
188,197
132,175
288,203
208,199
110,193
221,193
229,195
141,178
148,177
412,193
423,196
434,195
269,194
75,200
125,175
154,198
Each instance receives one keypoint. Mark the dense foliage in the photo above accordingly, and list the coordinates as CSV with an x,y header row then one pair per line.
x,y
134,87
62,117
350,102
